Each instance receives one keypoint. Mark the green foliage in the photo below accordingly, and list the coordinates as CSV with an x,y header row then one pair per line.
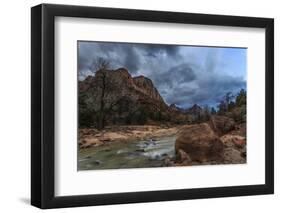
x,y
158,116
228,97
241,98
85,113
235,108
202,116
229,102
141,116
142,119
213,111
222,107
231,105
238,114
85,119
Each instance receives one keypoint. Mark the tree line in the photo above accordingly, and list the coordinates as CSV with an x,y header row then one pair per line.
x,y
230,105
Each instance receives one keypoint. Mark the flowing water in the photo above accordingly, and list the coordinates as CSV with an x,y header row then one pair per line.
x,y
139,154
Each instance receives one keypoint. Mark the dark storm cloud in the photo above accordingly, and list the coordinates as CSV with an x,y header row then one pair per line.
x,y
121,54
211,60
206,91
175,75
156,49
131,58
183,75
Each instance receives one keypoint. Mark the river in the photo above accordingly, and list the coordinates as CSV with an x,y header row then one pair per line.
x,y
138,154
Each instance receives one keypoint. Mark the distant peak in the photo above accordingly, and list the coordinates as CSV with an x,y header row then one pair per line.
x,y
196,106
195,109
174,106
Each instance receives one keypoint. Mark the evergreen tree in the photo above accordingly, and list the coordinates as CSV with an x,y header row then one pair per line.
x,y
241,98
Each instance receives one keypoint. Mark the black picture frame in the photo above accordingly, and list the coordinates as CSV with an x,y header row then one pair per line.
x,y
43,102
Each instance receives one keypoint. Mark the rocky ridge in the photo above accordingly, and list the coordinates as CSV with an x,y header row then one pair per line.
x,y
124,100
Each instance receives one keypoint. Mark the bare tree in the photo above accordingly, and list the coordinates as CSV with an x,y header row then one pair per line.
x,y
105,84
100,64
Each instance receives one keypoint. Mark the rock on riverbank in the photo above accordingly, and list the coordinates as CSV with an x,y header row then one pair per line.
x,y
200,144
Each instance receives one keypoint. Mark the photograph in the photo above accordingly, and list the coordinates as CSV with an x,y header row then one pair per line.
x,y
135,94
146,105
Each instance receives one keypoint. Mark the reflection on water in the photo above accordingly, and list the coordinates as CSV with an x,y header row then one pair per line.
x,y
140,154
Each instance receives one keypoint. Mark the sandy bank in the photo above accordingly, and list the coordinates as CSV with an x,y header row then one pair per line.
x,y
93,137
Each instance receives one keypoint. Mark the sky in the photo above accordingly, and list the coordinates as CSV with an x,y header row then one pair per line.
x,y
183,75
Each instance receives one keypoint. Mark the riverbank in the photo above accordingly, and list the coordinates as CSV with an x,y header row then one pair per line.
x,y
118,147
89,137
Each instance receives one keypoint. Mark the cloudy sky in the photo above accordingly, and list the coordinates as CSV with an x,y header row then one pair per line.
x,y
184,75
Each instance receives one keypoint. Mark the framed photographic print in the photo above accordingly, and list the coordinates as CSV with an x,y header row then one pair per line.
x,y
139,106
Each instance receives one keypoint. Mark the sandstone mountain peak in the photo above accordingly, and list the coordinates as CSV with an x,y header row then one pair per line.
x,y
122,70
121,98
174,107
145,85
121,76
195,109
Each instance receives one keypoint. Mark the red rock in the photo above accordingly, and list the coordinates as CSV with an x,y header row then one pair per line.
x,y
240,143
221,124
200,143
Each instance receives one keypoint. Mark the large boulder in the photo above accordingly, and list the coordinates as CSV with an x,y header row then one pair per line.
x,y
200,143
221,124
